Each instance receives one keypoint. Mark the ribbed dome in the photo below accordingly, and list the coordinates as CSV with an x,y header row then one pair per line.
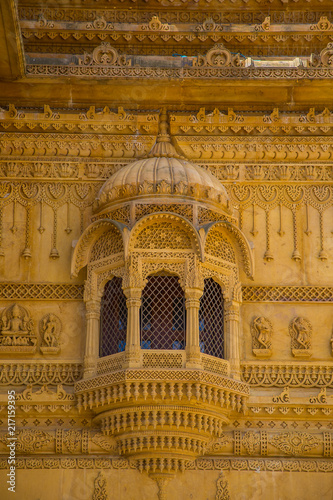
x,y
163,172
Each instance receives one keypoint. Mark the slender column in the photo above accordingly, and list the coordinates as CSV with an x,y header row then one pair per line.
x,y
93,310
133,348
192,304
232,350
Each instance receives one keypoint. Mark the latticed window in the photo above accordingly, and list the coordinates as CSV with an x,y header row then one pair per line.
x,y
162,314
211,320
113,319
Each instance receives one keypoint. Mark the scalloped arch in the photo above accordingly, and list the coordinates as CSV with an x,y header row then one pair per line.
x,y
90,235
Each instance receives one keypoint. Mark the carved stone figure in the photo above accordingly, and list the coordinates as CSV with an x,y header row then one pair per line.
x,y
300,330
50,328
261,331
16,330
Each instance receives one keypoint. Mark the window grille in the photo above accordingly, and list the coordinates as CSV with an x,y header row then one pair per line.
x,y
113,319
211,335
162,314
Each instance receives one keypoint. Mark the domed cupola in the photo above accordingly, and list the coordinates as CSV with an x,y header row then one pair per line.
x,y
164,176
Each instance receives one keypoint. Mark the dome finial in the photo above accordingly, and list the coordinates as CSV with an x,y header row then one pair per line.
x,y
163,145
163,128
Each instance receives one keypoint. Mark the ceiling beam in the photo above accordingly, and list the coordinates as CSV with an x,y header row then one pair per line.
x,y
11,46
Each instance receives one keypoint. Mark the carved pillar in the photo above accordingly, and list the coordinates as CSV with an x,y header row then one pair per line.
x,y
133,348
93,311
192,304
232,350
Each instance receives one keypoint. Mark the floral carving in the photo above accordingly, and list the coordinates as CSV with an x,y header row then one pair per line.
x,y
155,25
105,442
251,442
300,330
261,331
295,443
100,492
72,439
324,24
29,441
104,55
217,445
222,488
219,56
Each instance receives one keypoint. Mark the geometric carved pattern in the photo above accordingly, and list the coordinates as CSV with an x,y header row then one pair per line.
x,y
217,246
162,360
108,244
162,235
211,319
181,209
215,365
113,318
110,363
163,314
41,291
287,293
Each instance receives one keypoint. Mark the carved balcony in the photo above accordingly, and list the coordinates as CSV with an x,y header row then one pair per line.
x,y
162,414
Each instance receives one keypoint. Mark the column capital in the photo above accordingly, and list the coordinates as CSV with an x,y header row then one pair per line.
x,y
132,292
93,306
193,293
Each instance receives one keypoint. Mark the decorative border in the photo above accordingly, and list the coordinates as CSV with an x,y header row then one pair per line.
x,y
229,464
176,73
287,294
40,373
282,375
41,291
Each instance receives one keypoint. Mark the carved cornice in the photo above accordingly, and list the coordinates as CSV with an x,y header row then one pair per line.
x,y
90,120
215,73
235,121
254,14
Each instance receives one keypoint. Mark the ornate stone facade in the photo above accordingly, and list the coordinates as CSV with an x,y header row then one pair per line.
x,y
186,140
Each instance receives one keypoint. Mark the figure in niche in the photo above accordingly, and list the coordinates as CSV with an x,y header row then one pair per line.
x,y
261,331
300,330
15,323
16,329
50,331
